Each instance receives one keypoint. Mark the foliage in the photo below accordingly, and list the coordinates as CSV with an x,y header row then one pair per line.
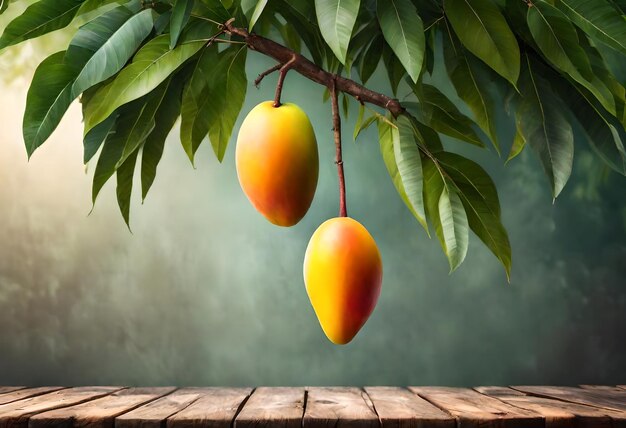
x,y
553,65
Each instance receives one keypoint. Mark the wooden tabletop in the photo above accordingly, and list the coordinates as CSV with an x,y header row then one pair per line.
x,y
169,407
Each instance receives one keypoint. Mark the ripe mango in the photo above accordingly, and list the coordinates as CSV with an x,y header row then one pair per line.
x,y
277,161
343,274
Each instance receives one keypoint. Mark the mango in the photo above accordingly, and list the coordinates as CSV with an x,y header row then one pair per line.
x,y
277,161
343,275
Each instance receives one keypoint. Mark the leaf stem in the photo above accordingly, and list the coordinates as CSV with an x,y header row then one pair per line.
x,y
343,211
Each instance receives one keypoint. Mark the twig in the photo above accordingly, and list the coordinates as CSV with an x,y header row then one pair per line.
x,y
281,79
267,72
343,210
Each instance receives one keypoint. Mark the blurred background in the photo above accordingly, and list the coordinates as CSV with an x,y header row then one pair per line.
x,y
205,291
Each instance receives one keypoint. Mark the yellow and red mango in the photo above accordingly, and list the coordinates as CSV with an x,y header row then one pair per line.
x,y
343,274
277,161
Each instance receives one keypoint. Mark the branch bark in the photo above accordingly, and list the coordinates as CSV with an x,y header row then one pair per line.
x,y
313,72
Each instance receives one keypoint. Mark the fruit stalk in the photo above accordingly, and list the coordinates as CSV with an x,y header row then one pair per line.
x,y
343,210
281,79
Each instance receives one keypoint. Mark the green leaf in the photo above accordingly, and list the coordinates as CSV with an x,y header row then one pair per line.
x,y
438,112
132,125
484,32
180,16
213,99
105,44
146,121
395,69
40,18
49,97
556,37
91,5
409,164
544,126
4,4
94,138
386,131
454,227
480,199
519,142
337,19
404,32
258,10
212,9
165,117
370,58
154,63
598,19
470,81
125,186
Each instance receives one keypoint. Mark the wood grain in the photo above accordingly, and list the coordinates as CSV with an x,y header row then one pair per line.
x,y
5,389
98,413
597,398
399,407
339,407
155,413
20,394
17,413
474,409
557,413
217,407
273,407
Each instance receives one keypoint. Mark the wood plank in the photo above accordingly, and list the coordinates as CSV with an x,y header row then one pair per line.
x,y
155,413
602,388
20,394
98,413
273,407
399,407
338,407
604,399
557,413
5,389
217,407
473,409
17,413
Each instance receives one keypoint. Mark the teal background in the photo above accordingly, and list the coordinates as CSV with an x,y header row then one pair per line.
x,y
205,291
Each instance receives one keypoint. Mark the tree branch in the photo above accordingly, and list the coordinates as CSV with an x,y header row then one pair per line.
x,y
313,72
343,211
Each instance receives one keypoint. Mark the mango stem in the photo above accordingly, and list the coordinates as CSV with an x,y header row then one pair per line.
x,y
343,210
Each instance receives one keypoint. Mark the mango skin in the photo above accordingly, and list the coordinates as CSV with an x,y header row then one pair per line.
x,y
343,275
277,161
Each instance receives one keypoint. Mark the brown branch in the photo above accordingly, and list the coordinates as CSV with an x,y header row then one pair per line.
x,y
267,72
313,72
343,211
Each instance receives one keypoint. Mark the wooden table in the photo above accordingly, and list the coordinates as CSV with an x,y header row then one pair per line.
x,y
169,407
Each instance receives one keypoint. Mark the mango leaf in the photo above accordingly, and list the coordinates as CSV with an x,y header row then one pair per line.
x,y
212,9
125,186
301,17
132,125
146,122
544,126
409,164
470,81
386,131
49,97
454,227
370,58
103,46
258,10
395,69
599,19
180,16
480,199
164,118
337,18
519,142
4,4
438,112
40,18
404,32
98,134
484,32
556,37
150,67
91,5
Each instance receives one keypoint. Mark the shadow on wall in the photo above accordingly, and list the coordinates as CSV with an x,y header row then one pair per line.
x,y
205,291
